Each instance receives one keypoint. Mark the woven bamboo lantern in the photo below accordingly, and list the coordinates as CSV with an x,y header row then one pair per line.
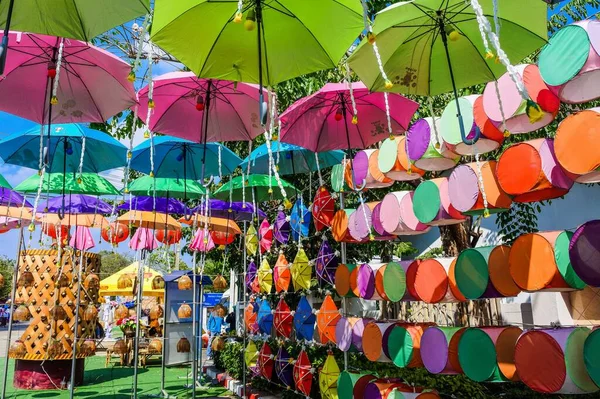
x,y
218,344
25,280
90,313
220,283
184,311
124,282
91,281
17,349
121,312
183,345
89,347
184,283
55,349
158,283
22,313
120,347
155,346
58,313
156,312
61,280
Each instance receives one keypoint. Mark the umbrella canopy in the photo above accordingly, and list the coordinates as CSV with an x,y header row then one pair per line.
x,y
149,220
214,224
64,144
300,220
166,187
71,183
327,319
92,85
143,238
260,184
79,19
328,377
411,44
183,159
304,320
283,319
265,361
239,211
73,219
284,367
76,204
326,264
316,36
265,277
303,373
15,212
159,204
11,198
265,317
290,159
301,271
251,317
202,110
109,286
327,116
281,228
282,274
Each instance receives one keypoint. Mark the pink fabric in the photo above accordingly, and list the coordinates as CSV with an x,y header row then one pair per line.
x,y
233,110
82,239
143,239
92,87
199,243
310,122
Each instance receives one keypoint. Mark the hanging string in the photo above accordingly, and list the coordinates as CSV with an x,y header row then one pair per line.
x,y
79,178
438,142
352,99
61,46
151,105
486,211
321,183
372,39
496,19
243,190
501,107
130,152
220,162
269,149
138,55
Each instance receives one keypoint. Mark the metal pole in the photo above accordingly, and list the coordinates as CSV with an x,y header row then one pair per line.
x,y
199,333
12,303
77,315
244,311
194,336
136,344
344,299
164,347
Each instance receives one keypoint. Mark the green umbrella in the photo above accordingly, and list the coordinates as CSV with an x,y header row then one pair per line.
x,y
430,47
74,19
58,183
260,184
166,187
291,37
4,183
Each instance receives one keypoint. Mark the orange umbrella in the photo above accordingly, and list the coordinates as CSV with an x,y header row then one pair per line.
x,y
149,220
327,319
214,224
85,220
16,212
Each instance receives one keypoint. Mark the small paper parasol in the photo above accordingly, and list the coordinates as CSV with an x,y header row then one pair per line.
x,y
303,373
266,362
251,240
282,274
251,317
284,367
266,236
326,264
251,274
265,317
301,271
304,320
282,228
251,357
328,378
300,220
283,319
323,209
203,241
327,318
265,277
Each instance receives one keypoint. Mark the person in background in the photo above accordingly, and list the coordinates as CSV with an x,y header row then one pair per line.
x,y
214,325
230,320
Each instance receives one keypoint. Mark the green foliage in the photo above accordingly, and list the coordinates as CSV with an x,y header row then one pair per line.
x,y
432,253
7,267
112,262
231,359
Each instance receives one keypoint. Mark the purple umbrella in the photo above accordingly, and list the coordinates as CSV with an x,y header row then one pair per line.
x,y
284,367
239,212
76,204
10,197
251,274
326,264
162,205
281,228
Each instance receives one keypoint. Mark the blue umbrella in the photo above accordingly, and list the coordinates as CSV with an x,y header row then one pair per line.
x,y
62,148
304,320
180,158
265,317
292,159
300,220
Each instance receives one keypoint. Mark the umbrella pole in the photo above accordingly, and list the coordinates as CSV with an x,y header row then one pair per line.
x,y
350,152
12,303
194,322
344,299
77,308
4,47
243,313
262,107
136,345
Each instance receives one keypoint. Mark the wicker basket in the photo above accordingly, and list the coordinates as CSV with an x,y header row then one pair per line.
x,y
22,313
184,311
158,283
156,312
90,313
155,346
17,350
124,282
183,345
121,312
220,283
184,283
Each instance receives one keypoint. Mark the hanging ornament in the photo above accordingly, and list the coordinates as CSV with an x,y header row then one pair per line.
x,y
326,264
282,274
339,115
266,236
265,277
301,271
184,283
251,240
200,103
115,233
250,23
251,274
222,237
169,237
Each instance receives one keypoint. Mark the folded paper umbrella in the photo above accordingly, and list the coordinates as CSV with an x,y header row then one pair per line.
x,y
303,373
341,176
397,215
584,252
366,169
571,62
203,241
575,145
343,333
255,286
251,274
590,354
393,160
327,317
529,172
540,261
301,271
265,277
265,317
326,264
143,238
340,226
266,236
251,317
484,272
439,349
491,134
373,341
266,362
281,228
552,361
466,191
251,356
251,240
323,209
304,320
395,389
488,353
366,280
426,148
283,319
431,204
390,281
328,378
360,222
284,367
345,280
282,274
299,220
402,344
352,385
514,107
430,281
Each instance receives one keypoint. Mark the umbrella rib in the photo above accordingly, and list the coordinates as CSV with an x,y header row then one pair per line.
x,y
208,54
80,20
93,99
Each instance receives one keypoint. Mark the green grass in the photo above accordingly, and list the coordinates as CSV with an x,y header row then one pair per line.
x,y
117,382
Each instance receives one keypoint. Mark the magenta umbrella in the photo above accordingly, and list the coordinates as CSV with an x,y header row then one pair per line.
x,y
92,83
323,121
202,110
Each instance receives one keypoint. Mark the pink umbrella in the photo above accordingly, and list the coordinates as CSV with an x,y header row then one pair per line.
x,y
203,241
82,239
324,121
142,239
202,110
92,83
